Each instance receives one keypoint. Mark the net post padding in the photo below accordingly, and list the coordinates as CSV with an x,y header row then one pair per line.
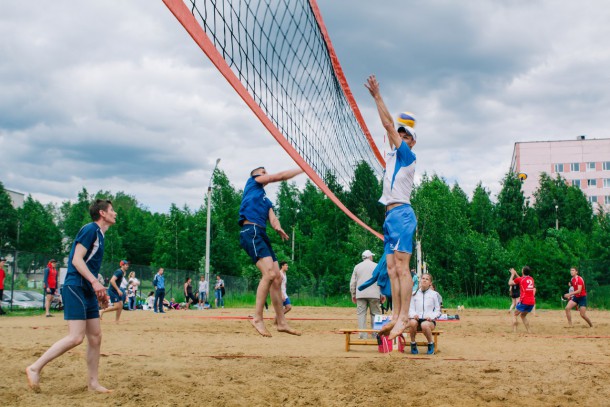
x,y
343,80
188,21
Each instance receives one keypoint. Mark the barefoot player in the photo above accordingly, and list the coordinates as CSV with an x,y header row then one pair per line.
x,y
254,212
527,300
400,220
577,297
82,293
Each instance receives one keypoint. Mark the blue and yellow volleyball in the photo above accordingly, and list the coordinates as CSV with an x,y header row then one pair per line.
x,y
406,119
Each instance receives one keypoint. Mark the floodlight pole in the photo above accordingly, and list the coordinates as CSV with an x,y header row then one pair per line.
x,y
556,218
207,231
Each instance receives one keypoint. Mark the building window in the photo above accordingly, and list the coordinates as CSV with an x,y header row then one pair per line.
x,y
606,182
606,166
592,182
575,167
558,167
576,183
592,199
590,166
607,199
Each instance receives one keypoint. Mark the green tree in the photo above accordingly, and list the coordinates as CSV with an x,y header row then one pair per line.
x,y
481,211
509,209
8,220
39,233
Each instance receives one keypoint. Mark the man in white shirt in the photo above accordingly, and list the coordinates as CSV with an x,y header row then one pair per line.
x,y
423,312
369,297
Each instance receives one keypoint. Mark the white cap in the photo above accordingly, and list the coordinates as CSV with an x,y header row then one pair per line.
x,y
367,253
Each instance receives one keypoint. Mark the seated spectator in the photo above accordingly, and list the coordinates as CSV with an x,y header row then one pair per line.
x,y
423,311
150,300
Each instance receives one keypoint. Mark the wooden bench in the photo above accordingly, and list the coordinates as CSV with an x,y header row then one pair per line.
x,y
357,341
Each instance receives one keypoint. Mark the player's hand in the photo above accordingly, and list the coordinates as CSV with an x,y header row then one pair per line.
x,y
372,85
282,234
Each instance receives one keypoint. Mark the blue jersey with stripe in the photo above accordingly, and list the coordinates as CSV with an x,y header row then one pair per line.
x,y
254,204
398,178
91,237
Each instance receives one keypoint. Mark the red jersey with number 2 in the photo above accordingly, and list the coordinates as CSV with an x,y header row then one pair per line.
x,y
527,287
576,281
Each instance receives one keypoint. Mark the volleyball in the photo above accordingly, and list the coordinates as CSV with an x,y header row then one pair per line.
x,y
522,176
406,119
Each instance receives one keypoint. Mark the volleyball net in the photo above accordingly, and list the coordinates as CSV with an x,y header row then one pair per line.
x,y
278,57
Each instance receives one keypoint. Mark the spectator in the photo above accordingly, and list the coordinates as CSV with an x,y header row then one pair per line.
x,y
219,291
370,297
203,292
287,306
150,300
423,312
50,284
159,284
189,297
2,277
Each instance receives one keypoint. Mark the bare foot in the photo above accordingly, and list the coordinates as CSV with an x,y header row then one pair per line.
x,y
288,330
33,379
398,329
101,313
98,388
387,328
260,327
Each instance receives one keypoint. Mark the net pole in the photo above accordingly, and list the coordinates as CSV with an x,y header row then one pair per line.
x,y
188,21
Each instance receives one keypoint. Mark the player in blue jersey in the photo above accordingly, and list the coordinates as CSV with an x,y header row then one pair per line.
x,y
255,210
82,295
400,221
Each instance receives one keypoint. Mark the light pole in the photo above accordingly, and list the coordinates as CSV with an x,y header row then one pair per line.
x,y
556,218
207,232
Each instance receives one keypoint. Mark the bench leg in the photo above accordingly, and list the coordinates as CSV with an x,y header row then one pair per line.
x,y
347,340
435,343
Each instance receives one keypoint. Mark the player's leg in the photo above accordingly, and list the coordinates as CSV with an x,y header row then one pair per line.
x,y
571,304
76,334
583,314
405,288
525,321
395,288
267,269
94,343
515,315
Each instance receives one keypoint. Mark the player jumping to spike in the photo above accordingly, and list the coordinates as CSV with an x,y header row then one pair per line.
x,y
400,220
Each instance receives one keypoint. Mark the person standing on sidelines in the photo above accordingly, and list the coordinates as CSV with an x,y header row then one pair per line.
x,y
2,277
189,297
400,221
51,285
369,298
255,210
115,292
159,284
203,292
577,297
527,300
218,292
287,306
82,293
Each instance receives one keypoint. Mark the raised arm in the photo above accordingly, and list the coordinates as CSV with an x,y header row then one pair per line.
x,y
275,224
386,118
513,275
280,176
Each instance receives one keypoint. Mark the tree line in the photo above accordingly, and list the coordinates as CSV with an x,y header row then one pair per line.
x,y
467,244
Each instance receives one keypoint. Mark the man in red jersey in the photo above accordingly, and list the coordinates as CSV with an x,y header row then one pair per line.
x,y
577,297
51,285
527,299
2,276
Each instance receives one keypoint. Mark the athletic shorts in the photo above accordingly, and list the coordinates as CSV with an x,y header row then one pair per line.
x,y
51,291
254,240
580,301
114,296
286,301
419,322
398,229
80,303
524,308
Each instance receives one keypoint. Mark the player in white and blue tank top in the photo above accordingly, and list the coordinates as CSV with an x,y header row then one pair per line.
x,y
400,222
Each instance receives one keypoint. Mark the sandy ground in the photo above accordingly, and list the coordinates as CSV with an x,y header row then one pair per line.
x,y
214,357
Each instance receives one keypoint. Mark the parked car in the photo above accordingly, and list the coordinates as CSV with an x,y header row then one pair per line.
x,y
38,296
19,300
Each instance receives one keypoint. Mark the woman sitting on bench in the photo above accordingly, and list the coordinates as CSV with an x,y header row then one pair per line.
x,y
423,312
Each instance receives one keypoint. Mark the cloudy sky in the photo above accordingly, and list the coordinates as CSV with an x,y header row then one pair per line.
x,y
114,95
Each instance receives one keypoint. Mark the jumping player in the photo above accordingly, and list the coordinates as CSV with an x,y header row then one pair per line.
x,y
255,210
82,293
577,297
527,300
400,220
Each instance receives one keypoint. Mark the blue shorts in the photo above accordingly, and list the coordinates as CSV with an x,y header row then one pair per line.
x,y
254,240
524,308
114,296
580,301
398,229
80,303
286,302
